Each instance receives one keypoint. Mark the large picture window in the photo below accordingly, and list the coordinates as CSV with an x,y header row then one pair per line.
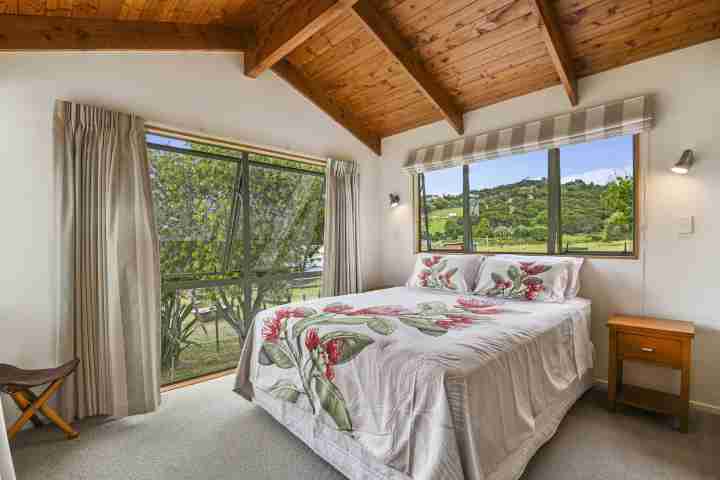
x,y
578,200
239,232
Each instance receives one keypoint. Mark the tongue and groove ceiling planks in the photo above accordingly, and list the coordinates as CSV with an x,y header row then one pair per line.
x,y
381,67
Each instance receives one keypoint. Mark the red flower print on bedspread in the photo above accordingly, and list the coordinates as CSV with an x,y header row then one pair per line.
x,y
328,350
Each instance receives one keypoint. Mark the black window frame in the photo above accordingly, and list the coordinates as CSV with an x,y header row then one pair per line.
x,y
228,273
554,246
185,281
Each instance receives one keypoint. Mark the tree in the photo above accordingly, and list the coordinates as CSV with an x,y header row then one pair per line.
x,y
522,232
618,199
200,218
439,203
616,227
502,232
539,233
619,196
482,228
454,229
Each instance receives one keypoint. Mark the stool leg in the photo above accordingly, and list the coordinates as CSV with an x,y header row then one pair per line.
x,y
22,404
33,407
54,417
51,415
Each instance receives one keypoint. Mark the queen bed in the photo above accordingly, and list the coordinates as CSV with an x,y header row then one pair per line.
x,y
420,383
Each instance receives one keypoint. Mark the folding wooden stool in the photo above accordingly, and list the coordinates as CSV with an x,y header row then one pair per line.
x,y
17,382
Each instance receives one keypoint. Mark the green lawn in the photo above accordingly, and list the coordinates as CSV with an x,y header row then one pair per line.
x,y
217,346
210,355
438,218
579,244
576,243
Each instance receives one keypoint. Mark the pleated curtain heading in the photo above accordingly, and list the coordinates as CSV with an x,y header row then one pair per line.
x,y
624,117
109,263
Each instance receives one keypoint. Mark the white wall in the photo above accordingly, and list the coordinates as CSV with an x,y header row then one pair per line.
x,y
192,91
674,278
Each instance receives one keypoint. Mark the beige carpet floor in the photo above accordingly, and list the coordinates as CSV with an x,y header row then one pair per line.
x,y
208,432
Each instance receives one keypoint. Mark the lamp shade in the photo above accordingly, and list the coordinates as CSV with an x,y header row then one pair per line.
x,y
683,165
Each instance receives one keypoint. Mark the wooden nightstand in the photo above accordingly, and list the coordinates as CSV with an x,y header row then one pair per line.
x,y
661,342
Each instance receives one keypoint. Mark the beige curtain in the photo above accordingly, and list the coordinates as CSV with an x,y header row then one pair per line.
x,y
109,263
341,264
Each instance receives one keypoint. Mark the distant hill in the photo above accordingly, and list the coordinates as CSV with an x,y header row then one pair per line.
x,y
520,210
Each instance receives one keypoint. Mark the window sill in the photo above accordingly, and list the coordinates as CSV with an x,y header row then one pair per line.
x,y
193,381
603,256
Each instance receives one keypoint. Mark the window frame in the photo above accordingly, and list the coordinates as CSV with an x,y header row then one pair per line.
x,y
183,281
554,237
242,157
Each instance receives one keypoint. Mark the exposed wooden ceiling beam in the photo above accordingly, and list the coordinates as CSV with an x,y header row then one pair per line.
x,y
319,97
556,47
37,32
290,30
380,27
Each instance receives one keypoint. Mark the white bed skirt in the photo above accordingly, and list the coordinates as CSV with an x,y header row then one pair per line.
x,y
6,467
353,461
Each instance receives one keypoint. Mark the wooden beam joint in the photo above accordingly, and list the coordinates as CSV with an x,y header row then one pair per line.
x,y
385,33
319,97
290,30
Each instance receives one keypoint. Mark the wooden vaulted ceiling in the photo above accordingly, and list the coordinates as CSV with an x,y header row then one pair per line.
x,y
380,67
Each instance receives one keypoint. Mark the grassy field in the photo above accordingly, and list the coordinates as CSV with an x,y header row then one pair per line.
x,y
217,346
541,247
576,243
438,218
207,356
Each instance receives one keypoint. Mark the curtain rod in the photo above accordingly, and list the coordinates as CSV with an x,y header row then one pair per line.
x,y
230,143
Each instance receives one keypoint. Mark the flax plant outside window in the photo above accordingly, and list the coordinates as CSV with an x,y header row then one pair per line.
x,y
577,200
239,232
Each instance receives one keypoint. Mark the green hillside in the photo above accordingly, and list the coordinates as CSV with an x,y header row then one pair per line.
x,y
513,217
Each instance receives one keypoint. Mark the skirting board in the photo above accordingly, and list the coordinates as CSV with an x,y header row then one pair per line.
x,y
703,407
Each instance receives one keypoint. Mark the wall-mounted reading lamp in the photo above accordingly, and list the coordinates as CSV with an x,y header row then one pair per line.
x,y
685,163
394,200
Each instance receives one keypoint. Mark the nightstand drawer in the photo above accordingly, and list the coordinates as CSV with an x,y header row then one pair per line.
x,y
652,349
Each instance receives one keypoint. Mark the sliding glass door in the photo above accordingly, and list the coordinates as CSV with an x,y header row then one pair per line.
x,y
239,232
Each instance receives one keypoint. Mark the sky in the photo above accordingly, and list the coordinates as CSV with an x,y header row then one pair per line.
x,y
171,142
598,162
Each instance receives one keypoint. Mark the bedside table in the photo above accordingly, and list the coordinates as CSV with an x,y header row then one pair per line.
x,y
661,342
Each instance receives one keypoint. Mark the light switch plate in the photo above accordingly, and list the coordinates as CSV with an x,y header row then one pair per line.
x,y
686,225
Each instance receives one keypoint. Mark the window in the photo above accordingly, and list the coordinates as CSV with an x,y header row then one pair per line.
x,y
509,206
598,196
443,208
239,232
577,200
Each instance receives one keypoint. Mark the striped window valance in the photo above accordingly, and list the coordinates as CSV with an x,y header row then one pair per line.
x,y
624,117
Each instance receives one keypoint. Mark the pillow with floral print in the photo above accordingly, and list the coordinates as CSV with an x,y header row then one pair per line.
x,y
454,273
523,280
574,263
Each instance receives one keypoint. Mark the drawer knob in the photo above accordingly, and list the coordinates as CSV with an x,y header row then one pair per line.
x,y
647,349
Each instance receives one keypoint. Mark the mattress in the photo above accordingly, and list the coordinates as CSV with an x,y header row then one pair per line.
x,y
420,383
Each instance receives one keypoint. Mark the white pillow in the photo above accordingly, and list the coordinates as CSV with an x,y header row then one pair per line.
x,y
523,280
455,273
575,264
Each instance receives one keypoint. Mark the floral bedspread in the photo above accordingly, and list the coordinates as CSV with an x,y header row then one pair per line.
x,y
399,368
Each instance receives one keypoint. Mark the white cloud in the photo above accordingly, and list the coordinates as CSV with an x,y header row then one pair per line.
x,y
601,176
